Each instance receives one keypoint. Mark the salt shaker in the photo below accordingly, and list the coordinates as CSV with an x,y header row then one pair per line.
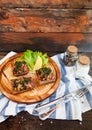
x,y
83,65
71,55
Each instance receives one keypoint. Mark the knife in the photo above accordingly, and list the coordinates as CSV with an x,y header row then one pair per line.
x,y
64,98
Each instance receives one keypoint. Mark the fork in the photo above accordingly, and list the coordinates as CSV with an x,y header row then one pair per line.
x,y
80,93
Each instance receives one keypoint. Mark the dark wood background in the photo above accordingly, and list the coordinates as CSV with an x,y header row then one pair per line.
x,y
48,26
46,16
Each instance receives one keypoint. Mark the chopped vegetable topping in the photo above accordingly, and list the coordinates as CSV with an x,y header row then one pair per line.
x,y
43,73
22,84
20,68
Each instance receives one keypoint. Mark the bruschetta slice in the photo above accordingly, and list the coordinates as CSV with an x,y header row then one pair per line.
x,y
22,84
45,75
20,68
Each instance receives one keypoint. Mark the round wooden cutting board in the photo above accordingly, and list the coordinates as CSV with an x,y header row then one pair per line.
x,y
38,93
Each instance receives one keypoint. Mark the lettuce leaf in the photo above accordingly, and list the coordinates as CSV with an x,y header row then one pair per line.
x,y
30,58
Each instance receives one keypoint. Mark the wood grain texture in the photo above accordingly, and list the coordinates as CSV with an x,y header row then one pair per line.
x,y
45,42
19,122
47,3
25,121
45,20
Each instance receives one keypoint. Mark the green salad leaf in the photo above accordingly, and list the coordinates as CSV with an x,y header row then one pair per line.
x,y
30,57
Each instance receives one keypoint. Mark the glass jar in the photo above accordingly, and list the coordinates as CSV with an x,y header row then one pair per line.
x,y
83,65
71,55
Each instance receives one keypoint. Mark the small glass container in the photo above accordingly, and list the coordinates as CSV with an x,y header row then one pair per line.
x,y
83,65
71,55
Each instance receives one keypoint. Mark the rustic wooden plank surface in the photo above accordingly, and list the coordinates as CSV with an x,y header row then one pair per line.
x,y
45,20
24,121
46,42
47,3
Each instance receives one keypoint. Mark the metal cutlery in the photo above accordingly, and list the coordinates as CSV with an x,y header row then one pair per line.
x,y
73,95
79,93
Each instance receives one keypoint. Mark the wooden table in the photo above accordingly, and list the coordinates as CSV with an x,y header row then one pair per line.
x,y
54,43
47,26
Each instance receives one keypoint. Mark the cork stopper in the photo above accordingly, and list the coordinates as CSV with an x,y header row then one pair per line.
x,y
72,49
84,60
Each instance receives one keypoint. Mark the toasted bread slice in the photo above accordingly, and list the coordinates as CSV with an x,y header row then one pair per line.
x,y
20,68
46,75
22,84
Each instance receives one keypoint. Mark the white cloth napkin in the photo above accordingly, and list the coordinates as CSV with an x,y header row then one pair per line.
x,y
70,111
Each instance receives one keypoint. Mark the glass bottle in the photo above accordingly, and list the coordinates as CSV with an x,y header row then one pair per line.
x,y
71,55
83,65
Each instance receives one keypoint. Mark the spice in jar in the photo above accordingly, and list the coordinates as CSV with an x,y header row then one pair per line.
x,y
71,55
83,65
